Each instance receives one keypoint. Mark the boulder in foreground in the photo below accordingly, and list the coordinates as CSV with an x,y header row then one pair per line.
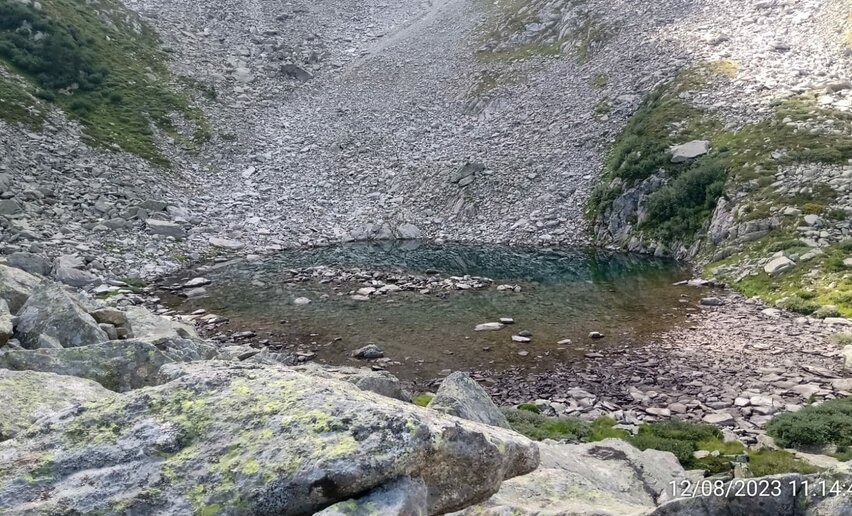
x,y
26,396
224,438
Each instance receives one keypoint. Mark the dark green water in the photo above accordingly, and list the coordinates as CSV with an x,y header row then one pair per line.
x,y
565,294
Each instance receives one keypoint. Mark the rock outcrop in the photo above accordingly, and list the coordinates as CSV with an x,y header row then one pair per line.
x,y
27,396
226,438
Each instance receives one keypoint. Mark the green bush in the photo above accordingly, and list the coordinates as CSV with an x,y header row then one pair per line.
x,y
846,245
530,407
815,425
783,245
683,450
827,311
680,209
800,306
538,427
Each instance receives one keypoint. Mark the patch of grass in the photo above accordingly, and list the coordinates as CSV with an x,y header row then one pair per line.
x,y
423,399
841,339
529,407
772,462
602,428
723,447
134,282
102,65
600,81
538,427
682,438
815,425
18,102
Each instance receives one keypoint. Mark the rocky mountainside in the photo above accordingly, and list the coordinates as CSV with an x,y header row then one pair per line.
x,y
449,119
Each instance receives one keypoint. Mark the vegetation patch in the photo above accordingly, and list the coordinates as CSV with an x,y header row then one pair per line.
x,y
423,399
101,65
828,423
772,462
539,427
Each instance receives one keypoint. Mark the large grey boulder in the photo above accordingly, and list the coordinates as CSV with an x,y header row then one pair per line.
x,y
52,311
16,286
27,396
689,150
7,326
402,497
459,395
225,438
29,262
119,365
166,228
75,277
778,265
178,340
606,477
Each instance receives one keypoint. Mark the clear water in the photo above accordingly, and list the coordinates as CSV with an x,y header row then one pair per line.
x,y
565,294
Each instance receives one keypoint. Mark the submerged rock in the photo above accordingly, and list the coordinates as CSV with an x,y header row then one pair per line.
x,y
368,352
459,395
26,396
230,438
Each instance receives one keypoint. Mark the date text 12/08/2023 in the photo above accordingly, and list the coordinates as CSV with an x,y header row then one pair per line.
x,y
768,487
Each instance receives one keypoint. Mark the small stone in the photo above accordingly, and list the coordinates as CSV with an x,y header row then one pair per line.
x,y
196,282
779,265
596,335
369,352
301,301
719,418
166,228
689,150
712,301
491,326
507,320
225,243
525,333
520,338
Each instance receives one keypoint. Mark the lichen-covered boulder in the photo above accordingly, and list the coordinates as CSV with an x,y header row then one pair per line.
x,y
26,396
237,438
16,286
7,326
459,395
403,497
606,477
118,365
52,311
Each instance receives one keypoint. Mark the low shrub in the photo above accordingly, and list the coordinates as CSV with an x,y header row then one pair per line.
x,y
539,427
815,425
531,407
783,245
683,450
602,428
423,399
799,305
827,311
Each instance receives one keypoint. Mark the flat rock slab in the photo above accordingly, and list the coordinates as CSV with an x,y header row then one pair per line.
x,y
689,150
245,439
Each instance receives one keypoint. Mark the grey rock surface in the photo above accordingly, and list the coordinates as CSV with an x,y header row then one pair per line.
x,y
459,395
52,311
229,437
